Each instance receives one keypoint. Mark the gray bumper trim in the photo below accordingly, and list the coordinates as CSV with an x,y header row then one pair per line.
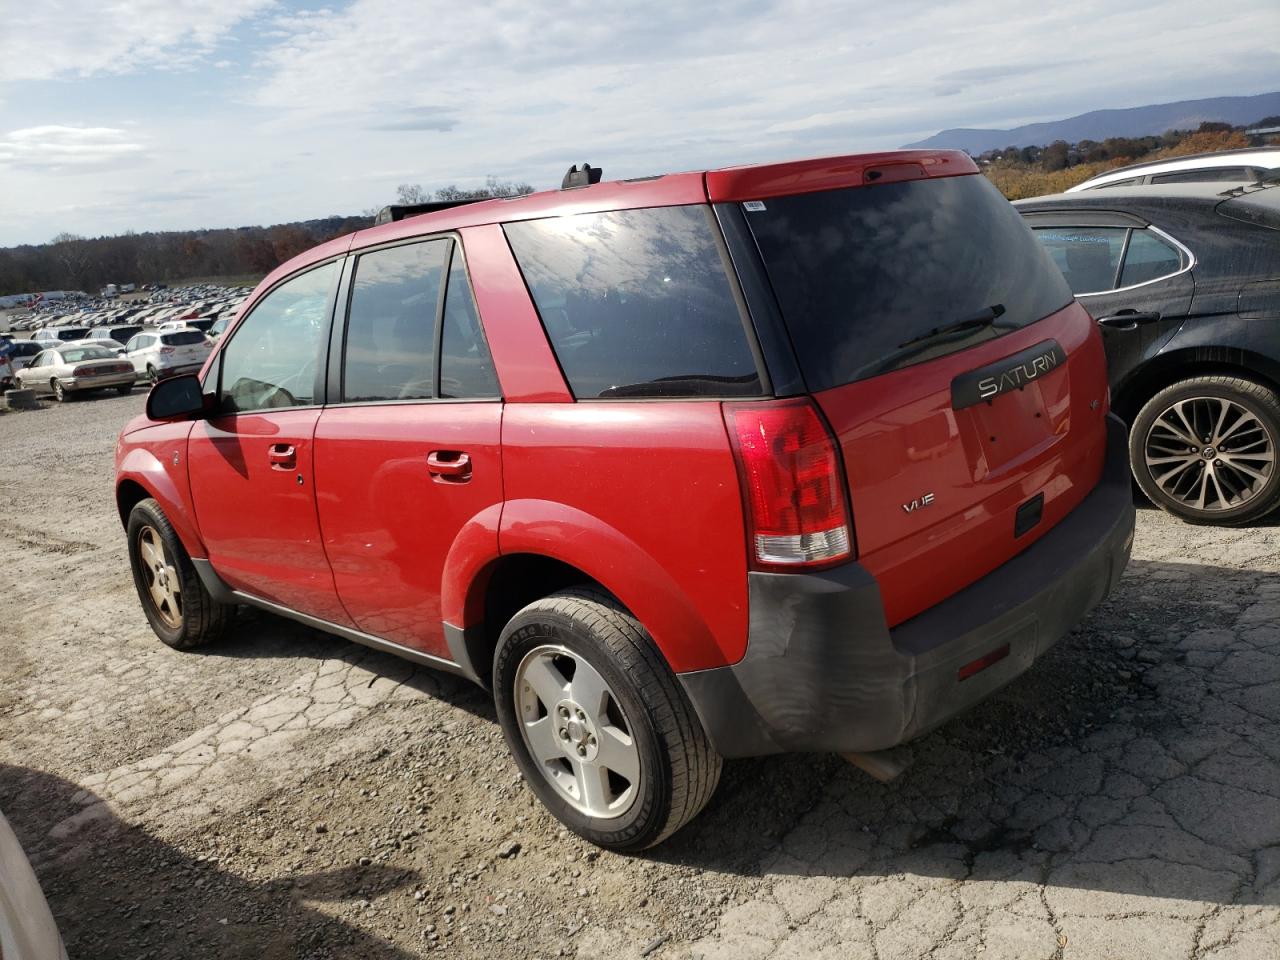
x,y
823,672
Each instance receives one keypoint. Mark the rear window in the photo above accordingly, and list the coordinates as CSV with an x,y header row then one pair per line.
x,y
637,303
182,338
73,333
869,277
81,354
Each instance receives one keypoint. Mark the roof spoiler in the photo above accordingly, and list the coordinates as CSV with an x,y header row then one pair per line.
x,y
398,211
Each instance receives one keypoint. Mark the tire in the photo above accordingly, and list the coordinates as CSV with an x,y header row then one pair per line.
x,y
678,769
59,391
190,617
124,389
1224,477
152,375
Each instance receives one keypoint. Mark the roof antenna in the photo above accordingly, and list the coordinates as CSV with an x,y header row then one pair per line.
x,y
581,176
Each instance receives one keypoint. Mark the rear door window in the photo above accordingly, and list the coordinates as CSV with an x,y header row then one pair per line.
x,y
637,303
877,278
1089,257
1204,175
390,346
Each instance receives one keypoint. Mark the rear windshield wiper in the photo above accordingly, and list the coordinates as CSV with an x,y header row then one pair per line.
x,y
983,318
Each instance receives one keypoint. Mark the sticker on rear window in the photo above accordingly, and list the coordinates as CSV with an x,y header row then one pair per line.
x,y
753,206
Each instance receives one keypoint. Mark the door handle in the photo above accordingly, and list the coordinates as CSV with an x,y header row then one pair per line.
x,y
449,466
282,456
1128,319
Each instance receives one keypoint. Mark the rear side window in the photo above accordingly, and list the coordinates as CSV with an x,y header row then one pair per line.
x,y
1149,257
1089,257
182,338
390,351
876,278
637,303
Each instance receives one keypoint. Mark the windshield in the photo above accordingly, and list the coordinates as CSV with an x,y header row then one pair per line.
x,y
80,354
876,278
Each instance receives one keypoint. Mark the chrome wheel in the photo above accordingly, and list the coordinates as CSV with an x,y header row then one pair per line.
x,y
576,732
161,575
1210,454
59,392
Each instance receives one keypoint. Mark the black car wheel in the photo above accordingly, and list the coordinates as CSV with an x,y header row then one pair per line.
x,y
598,724
1205,450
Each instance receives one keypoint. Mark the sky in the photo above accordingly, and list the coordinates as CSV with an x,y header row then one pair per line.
x,y
178,114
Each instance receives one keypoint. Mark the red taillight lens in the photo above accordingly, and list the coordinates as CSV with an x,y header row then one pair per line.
x,y
167,349
792,484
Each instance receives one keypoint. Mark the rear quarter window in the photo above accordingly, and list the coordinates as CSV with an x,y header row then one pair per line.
x,y
637,303
865,275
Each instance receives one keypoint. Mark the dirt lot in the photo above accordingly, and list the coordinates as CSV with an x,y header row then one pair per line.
x,y
292,795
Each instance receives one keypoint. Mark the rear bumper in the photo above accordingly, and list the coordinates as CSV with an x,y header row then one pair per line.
x,y
823,672
98,383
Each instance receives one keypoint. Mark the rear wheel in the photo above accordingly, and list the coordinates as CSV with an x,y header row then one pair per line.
x,y
152,375
178,607
59,391
124,389
598,723
1205,450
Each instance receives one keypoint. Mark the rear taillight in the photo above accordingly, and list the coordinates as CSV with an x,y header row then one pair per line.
x,y
792,484
81,371
167,349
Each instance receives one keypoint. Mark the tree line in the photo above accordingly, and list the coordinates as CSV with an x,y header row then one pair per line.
x,y
71,262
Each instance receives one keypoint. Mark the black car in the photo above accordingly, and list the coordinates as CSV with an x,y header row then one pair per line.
x,y
1185,283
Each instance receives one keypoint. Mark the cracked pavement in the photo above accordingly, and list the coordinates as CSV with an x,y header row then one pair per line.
x,y
292,795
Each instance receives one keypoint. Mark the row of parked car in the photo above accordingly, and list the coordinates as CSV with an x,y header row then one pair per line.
x,y
203,304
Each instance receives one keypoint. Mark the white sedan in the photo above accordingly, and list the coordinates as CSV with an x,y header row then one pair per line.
x,y
27,930
71,368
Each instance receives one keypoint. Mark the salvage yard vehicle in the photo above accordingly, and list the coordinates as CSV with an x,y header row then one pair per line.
x,y
1184,282
797,457
172,351
75,369
1246,165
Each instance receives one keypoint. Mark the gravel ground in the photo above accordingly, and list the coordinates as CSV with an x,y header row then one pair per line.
x,y
288,794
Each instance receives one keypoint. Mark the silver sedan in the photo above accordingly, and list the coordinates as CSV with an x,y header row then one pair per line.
x,y
73,368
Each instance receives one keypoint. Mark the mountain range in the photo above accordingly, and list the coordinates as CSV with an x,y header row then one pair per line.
x,y
1145,121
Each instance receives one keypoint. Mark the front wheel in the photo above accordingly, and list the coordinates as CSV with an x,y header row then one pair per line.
x,y
1205,450
597,722
179,608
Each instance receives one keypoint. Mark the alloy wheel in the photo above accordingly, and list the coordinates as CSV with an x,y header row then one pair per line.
x,y
164,584
1210,454
576,731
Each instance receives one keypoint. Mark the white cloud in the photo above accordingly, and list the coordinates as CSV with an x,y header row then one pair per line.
x,y
47,39
525,86
53,148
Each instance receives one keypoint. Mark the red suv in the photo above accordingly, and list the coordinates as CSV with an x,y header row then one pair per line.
x,y
797,457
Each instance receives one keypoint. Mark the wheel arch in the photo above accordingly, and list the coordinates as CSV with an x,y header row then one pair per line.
x,y
141,476
548,546
1167,369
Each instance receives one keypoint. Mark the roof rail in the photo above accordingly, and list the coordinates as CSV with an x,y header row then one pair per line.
x,y
581,177
398,211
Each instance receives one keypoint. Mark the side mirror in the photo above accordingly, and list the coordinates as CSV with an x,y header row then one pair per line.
x,y
178,398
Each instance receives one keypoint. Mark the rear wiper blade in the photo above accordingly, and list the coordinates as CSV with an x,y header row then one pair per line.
x,y
984,318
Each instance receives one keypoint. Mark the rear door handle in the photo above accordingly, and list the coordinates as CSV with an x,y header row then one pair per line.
x,y
1129,319
449,466
282,456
